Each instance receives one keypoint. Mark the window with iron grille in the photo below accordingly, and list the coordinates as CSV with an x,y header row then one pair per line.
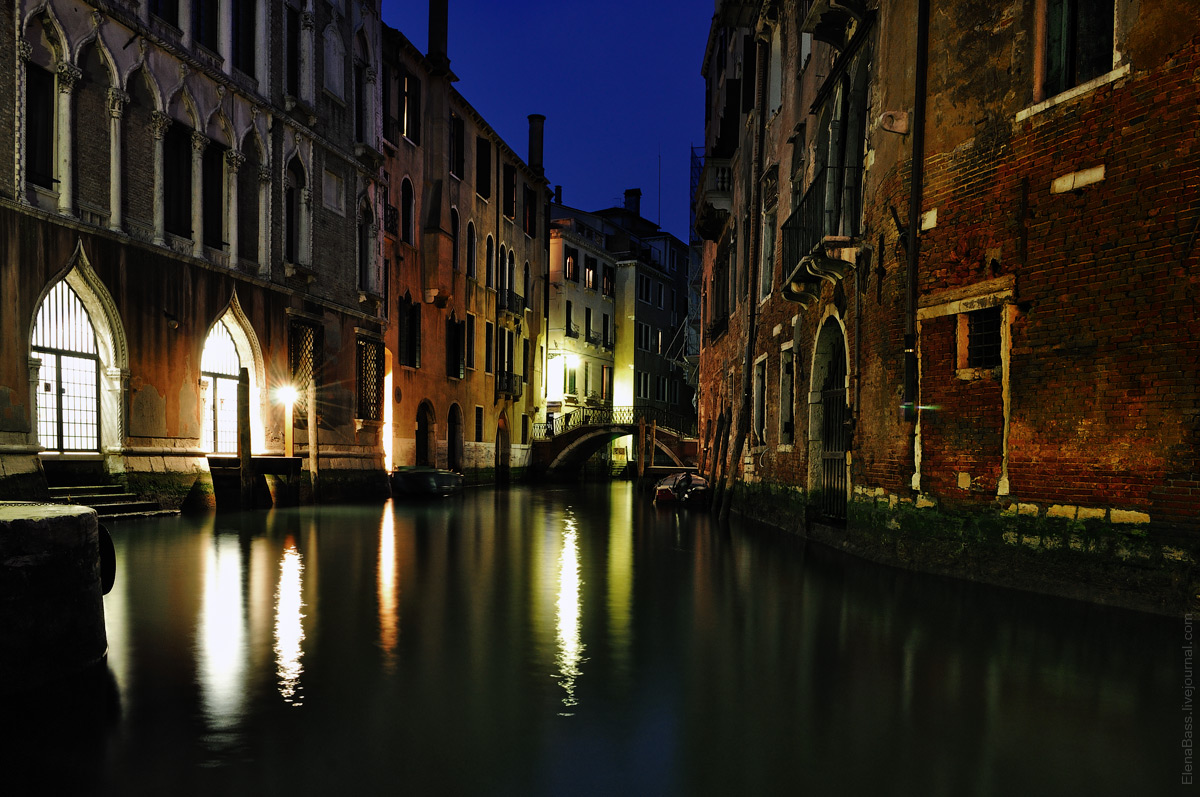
x,y
304,347
370,380
479,424
983,337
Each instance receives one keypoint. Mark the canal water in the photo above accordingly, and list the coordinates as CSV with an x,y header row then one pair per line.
x,y
576,641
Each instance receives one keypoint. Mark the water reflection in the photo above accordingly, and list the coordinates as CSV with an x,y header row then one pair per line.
x,y
221,645
570,646
620,583
389,617
289,627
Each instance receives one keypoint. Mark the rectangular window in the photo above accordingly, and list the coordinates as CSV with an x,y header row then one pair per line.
x,y
661,292
766,268
530,207
643,288
489,343
370,380
587,324
456,348
983,337
643,336
589,273
39,126
332,195
642,385
470,334
1079,42
587,378
571,264
458,155
166,10
483,167
410,116
660,388
245,37
606,382
526,366
390,99
610,281
787,421
479,424
408,328
760,401
569,321
291,32
206,15
510,191
607,339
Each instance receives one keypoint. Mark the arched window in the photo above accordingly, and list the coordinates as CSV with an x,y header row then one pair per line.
x,y
220,366
406,211
68,409
293,211
335,63
512,271
498,280
489,261
454,238
471,250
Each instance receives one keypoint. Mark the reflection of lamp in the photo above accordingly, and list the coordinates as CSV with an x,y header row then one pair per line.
x,y
288,395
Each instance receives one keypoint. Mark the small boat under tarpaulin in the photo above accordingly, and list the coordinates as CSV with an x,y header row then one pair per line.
x,y
425,482
682,488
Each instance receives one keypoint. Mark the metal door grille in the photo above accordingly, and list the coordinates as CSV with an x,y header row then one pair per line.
x,y
68,413
370,380
302,353
833,438
221,365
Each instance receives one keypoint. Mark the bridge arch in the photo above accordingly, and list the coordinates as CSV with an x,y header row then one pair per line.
x,y
585,442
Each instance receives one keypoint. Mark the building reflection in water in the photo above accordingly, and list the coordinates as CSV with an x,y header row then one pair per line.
x,y
289,627
570,646
620,584
221,642
389,616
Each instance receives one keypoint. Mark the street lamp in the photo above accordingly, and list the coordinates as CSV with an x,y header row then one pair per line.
x,y
288,396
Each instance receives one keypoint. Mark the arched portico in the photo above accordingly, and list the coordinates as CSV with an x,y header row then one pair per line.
x,y
232,330
828,420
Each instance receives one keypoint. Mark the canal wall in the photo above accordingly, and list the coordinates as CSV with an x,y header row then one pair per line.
x,y
1110,556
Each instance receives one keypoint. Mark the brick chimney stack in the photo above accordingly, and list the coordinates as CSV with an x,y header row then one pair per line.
x,y
439,23
537,127
633,201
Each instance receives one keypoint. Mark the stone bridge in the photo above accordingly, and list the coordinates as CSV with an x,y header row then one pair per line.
x,y
562,447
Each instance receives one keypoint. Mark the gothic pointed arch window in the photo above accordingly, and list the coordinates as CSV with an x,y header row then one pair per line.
x,y
489,260
472,250
294,184
64,340
219,368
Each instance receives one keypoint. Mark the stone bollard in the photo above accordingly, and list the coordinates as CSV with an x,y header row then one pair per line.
x,y
51,609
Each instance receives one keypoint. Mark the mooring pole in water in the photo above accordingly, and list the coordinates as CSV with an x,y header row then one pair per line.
x,y
653,440
313,453
245,471
641,446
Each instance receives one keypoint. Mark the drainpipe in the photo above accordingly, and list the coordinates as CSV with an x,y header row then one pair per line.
x,y
909,407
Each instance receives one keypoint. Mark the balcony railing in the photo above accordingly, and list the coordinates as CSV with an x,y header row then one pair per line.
x,y
572,330
592,337
509,384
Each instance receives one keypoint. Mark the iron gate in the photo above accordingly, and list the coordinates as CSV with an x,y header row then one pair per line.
x,y
68,411
834,438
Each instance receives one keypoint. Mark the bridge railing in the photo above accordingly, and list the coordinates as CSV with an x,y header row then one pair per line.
x,y
615,416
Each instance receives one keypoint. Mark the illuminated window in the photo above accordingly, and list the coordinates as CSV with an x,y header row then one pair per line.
x,y
220,366
68,402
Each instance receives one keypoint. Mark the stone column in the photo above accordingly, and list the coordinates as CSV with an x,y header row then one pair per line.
x,y
264,221
35,381
233,163
68,76
368,94
305,253
116,109
373,259
308,24
159,122
199,142
25,51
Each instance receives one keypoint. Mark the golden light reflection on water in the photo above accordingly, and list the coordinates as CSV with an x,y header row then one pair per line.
x,y
570,645
389,621
222,637
620,582
289,628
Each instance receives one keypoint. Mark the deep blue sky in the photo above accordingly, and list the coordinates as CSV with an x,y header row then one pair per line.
x,y
618,80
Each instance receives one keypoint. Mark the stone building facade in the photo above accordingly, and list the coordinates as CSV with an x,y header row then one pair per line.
x,y
465,245
952,260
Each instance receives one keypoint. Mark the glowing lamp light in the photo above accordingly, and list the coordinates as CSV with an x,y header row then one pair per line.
x,y
572,360
288,394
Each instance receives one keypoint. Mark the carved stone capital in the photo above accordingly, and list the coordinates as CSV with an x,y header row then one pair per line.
x,y
264,174
307,196
25,49
199,142
68,76
234,160
117,100
308,20
159,122
371,74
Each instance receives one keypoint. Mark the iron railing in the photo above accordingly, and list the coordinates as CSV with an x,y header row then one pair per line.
x,y
832,205
615,416
509,384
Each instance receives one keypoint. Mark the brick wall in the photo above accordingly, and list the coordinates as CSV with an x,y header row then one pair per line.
x,y
92,158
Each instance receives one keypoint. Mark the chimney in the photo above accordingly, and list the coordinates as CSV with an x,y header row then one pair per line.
x,y
633,201
537,125
558,194
439,23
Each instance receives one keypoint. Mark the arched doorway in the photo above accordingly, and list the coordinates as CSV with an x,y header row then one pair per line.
x,y
426,442
503,450
219,369
454,439
828,427
68,406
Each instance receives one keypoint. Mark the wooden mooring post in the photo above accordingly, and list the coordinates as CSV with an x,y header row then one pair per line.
x,y
245,463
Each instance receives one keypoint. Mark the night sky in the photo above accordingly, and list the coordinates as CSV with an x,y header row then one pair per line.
x,y
618,80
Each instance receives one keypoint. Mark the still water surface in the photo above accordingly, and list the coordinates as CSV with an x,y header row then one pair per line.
x,y
579,641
